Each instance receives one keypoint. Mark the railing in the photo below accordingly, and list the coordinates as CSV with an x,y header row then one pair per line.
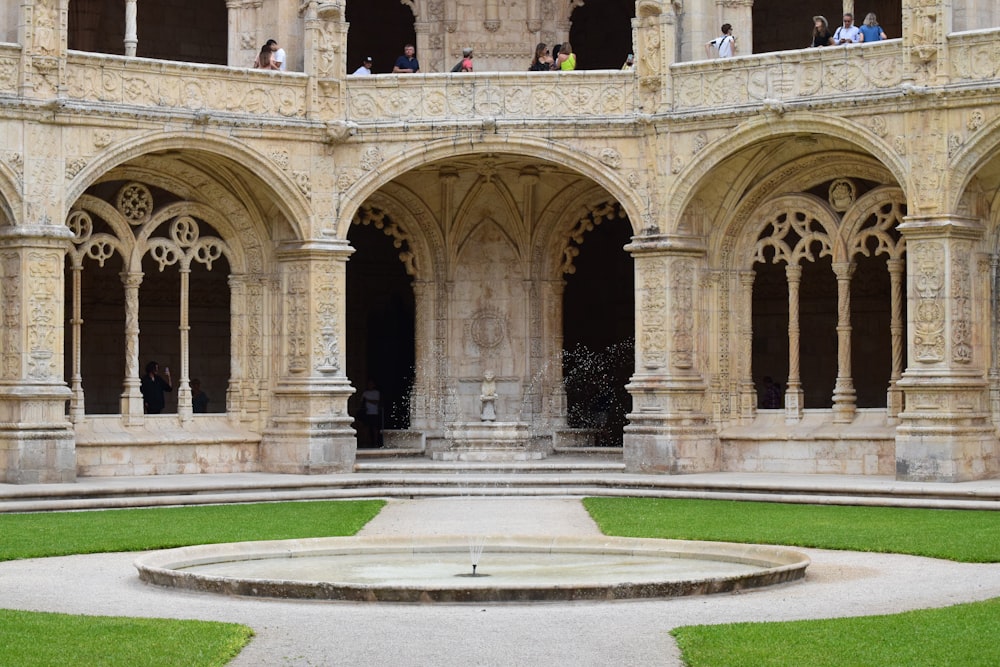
x,y
974,55
499,95
786,76
159,83
805,75
10,65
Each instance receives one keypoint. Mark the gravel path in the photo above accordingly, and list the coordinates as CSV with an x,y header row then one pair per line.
x,y
578,634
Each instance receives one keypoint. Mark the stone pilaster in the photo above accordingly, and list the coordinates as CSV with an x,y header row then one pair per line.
x,y
36,438
669,430
243,18
325,50
655,35
926,25
310,428
42,33
944,432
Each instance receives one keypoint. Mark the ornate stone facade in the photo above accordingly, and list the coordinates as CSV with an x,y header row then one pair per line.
x,y
826,217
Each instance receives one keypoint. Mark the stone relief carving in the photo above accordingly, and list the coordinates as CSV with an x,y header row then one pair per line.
x,y
487,328
928,281
961,295
652,286
16,163
297,316
45,283
842,194
878,126
682,288
328,304
10,292
371,158
302,180
976,120
74,167
611,158
280,157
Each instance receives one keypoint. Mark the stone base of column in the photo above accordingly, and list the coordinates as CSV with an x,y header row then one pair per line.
x,y
37,445
659,445
310,431
945,433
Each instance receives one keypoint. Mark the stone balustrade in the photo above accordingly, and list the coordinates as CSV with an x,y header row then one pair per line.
x,y
696,87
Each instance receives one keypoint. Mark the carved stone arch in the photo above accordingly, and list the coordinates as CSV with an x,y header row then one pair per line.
x,y
797,224
464,212
10,197
559,213
971,158
418,224
213,150
794,176
542,150
887,205
173,214
763,128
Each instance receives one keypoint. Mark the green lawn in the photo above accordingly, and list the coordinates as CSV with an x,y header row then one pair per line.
x,y
30,639
961,635
964,635
62,533
960,535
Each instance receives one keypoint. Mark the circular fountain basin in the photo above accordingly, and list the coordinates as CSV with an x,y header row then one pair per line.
x,y
439,569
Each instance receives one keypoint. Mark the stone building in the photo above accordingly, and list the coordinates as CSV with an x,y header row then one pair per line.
x,y
826,218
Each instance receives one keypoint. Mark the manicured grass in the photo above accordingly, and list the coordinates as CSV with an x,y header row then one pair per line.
x,y
960,535
63,533
964,635
33,639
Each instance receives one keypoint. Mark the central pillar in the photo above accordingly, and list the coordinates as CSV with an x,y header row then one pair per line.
x,y
310,428
944,433
669,430
37,443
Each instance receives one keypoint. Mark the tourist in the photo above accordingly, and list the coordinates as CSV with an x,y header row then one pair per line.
x,y
542,62
871,31
407,63
821,32
466,59
152,387
847,33
265,59
371,414
555,54
567,59
365,69
279,55
723,45
199,399
629,63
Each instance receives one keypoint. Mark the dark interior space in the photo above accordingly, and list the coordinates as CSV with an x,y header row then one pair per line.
x,y
380,334
601,33
598,332
380,29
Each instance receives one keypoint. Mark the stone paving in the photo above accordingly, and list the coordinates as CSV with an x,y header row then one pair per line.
x,y
576,634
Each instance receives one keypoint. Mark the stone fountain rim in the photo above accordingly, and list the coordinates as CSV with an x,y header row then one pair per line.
x,y
782,564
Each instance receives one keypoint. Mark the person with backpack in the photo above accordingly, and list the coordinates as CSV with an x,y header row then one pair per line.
x,y
724,45
465,64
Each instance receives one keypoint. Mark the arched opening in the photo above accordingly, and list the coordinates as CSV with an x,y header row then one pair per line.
x,y
380,29
601,33
380,329
185,31
777,29
599,329
174,304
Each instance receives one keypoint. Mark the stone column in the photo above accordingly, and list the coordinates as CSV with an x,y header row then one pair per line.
x,y
184,406
131,400
325,50
310,429
36,438
243,46
655,37
748,391
844,396
669,430
897,327
424,398
131,28
926,25
793,392
945,433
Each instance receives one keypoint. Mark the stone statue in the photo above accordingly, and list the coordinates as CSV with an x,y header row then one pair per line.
x,y
488,397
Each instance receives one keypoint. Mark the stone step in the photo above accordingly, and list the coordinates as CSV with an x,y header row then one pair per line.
x,y
421,478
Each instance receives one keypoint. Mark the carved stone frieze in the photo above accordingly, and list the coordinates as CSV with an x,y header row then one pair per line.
x,y
682,294
928,282
961,296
